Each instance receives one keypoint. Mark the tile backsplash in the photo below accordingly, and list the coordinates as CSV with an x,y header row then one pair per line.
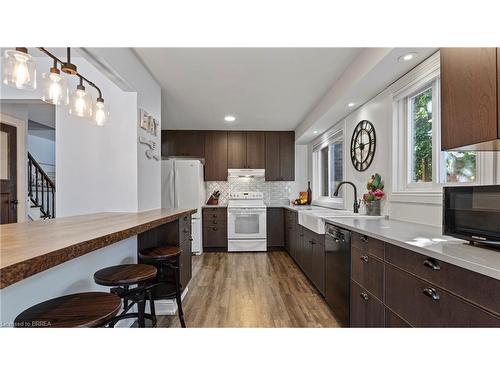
x,y
275,192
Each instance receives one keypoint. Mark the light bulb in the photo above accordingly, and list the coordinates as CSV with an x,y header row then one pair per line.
x,y
81,103
55,89
19,70
101,113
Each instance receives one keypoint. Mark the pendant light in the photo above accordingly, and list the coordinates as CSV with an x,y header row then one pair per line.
x,y
80,102
19,69
101,112
54,87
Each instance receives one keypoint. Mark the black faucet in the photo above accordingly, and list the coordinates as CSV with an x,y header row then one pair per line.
x,y
356,203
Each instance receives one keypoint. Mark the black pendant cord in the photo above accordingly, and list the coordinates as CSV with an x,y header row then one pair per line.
x,y
68,51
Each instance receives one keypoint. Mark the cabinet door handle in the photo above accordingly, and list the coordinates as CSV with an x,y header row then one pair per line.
x,y
363,238
432,264
431,293
214,215
364,296
190,238
185,218
364,258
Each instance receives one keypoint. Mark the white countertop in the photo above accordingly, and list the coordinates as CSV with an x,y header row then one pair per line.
x,y
427,240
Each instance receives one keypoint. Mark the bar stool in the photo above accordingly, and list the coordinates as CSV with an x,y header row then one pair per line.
x,y
120,278
166,259
89,309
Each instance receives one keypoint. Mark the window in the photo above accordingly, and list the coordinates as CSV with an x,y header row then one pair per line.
x,y
328,169
453,166
420,168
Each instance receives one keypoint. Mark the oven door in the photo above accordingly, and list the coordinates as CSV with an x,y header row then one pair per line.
x,y
246,223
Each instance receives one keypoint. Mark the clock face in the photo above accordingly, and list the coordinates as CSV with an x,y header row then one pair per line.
x,y
363,145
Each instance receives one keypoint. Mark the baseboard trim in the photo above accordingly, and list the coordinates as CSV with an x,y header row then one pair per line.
x,y
167,306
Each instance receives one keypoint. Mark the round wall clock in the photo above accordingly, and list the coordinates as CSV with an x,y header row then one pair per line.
x,y
363,144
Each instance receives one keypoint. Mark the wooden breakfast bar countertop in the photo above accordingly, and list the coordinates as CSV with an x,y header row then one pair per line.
x,y
32,247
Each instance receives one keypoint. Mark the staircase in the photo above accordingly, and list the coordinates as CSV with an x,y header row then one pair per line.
x,y
41,192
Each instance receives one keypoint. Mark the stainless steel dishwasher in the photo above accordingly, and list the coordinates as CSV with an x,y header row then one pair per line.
x,y
338,272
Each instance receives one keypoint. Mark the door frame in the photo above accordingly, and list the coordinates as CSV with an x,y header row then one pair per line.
x,y
22,160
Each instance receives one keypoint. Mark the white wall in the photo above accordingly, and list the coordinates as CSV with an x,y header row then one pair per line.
x,y
123,66
379,111
42,149
96,167
301,171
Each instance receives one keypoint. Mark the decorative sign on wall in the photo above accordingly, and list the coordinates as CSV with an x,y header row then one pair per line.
x,y
363,144
151,126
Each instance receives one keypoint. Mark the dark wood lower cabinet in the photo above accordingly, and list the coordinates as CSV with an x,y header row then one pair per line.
x,y
423,304
214,224
415,290
275,227
366,310
392,320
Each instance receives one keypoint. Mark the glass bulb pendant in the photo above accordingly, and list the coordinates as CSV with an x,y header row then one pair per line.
x,y
54,87
19,69
80,103
101,112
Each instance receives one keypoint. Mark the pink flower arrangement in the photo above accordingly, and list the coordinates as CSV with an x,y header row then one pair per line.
x,y
375,188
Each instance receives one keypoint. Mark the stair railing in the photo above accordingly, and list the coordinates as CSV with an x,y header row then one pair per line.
x,y
41,189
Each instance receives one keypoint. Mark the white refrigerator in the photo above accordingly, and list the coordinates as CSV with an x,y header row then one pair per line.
x,y
182,186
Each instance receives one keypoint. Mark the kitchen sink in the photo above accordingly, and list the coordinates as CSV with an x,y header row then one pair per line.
x,y
315,219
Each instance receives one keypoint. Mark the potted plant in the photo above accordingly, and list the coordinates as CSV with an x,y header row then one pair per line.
x,y
374,195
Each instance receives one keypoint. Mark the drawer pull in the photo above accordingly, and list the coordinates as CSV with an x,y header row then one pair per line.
x,y
363,238
185,218
432,264
190,238
214,215
214,229
431,293
364,258
214,222
364,296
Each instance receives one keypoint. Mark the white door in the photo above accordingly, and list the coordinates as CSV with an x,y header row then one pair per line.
x,y
188,185
167,184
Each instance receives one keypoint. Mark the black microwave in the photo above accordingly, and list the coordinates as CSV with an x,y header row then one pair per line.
x,y
472,213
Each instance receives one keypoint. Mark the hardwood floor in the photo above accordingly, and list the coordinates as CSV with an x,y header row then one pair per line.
x,y
250,290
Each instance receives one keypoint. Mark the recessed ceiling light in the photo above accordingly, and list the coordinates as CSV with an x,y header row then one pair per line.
x,y
315,132
407,57
350,104
229,118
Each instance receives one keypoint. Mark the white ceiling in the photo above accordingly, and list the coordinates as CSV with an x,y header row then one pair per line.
x,y
265,88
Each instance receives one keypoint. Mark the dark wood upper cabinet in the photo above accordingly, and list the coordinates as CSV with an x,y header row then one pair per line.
x,y
216,156
189,143
287,156
237,150
280,156
256,150
469,99
274,151
272,156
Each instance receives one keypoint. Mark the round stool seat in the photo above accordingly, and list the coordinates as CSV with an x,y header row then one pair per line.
x,y
88,309
125,274
160,253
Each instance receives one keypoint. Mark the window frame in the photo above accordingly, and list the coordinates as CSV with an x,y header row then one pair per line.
x,y
336,135
404,189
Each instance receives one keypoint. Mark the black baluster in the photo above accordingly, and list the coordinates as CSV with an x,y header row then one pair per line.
x,y
41,183
36,185
53,203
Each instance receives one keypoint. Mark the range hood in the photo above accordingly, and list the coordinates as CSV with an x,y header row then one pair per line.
x,y
246,173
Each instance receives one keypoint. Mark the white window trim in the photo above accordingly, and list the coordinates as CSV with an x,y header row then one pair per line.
x,y
403,190
336,133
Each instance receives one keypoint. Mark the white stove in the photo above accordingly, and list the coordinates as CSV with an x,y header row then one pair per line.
x,y
246,222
